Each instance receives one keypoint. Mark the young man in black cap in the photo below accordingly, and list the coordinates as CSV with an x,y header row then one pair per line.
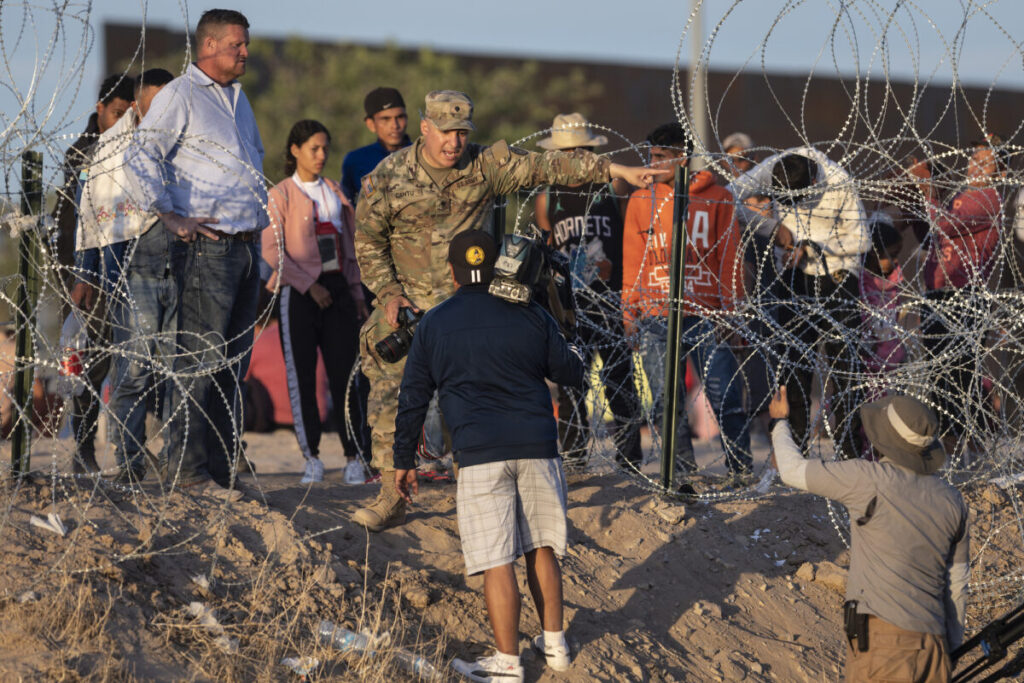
x,y
115,98
909,555
385,118
488,359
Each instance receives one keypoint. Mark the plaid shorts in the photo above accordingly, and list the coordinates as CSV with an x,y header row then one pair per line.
x,y
508,508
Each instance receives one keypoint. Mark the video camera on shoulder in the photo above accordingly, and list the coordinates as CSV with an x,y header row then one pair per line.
x,y
393,347
528,269
518,270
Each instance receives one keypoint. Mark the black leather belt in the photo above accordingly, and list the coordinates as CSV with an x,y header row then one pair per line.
x,y
247,236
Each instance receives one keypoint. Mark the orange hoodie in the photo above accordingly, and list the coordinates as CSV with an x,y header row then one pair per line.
x,y
714,264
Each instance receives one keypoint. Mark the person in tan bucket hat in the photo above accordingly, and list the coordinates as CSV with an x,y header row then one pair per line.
x,y
570,131
909,551
584,222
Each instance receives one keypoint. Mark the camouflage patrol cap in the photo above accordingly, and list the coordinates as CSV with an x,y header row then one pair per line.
x,y
449,110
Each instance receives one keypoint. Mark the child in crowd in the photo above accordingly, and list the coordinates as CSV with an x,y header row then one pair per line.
x,y
881,283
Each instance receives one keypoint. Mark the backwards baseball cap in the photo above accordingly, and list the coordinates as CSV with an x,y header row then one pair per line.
x,y
988,140
449,110
472,254
380,99
998,145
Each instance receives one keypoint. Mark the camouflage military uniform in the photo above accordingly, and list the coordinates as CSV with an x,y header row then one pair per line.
x,y
404,222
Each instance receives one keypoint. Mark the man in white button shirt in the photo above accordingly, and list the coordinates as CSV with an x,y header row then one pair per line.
x,y
200,168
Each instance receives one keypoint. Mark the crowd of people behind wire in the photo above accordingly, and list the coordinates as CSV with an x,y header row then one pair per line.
x,y
865,317
795,272
798,273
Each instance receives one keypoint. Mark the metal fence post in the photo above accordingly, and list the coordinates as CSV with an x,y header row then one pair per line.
x,y
677,282
24,313
498,217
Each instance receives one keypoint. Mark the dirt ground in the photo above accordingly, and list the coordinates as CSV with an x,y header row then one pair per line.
x,y
147,586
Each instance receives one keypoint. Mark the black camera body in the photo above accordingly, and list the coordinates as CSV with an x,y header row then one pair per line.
x,y
393,347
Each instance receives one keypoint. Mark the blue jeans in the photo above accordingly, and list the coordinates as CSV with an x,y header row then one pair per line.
x,y
144,318
215,332
718,371
105,274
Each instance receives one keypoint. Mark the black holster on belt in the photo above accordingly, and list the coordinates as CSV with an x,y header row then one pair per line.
x,y
856,625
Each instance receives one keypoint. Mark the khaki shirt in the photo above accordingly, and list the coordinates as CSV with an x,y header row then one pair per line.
x,y
405,221
907,549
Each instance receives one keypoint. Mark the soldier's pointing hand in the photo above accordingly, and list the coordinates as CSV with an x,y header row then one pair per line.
x,y
640,176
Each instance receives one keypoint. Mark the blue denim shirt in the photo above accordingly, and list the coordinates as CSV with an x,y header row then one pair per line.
x,y
198,152
359,162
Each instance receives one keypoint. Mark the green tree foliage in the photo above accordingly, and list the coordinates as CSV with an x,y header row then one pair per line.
x,y
295,79
299,79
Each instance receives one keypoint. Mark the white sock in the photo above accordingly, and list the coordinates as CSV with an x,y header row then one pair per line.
x,y
503,659
555,639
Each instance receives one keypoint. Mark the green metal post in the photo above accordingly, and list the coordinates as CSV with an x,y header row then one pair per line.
x,y
676,286
498,225
24,314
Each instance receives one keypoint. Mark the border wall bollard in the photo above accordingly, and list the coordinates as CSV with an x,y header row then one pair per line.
x,y
24,314
676,286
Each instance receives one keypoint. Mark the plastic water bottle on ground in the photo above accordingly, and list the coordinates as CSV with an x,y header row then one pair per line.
x,y
343,639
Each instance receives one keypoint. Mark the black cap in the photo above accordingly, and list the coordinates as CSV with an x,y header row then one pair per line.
x,y
472,254
380,99
998,145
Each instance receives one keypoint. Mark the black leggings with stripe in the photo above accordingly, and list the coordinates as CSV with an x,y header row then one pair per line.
x,y
305,327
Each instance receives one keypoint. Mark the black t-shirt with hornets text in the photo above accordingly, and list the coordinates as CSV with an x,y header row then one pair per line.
x,y
586,226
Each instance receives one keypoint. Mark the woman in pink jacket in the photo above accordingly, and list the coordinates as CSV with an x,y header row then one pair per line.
x,y
309,245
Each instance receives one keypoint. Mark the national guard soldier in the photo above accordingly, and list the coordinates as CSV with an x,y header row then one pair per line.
x,y
409,209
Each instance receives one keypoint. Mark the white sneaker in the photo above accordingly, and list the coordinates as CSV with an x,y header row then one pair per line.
x,y
354,473
314,471
488,670
556,657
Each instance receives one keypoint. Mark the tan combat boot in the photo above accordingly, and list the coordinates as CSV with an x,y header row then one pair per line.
x,y
387,511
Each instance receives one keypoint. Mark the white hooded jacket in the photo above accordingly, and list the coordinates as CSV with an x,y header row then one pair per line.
x,y
831,217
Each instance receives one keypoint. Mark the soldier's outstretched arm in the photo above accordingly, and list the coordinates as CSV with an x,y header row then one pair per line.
x,y
373,246
511,168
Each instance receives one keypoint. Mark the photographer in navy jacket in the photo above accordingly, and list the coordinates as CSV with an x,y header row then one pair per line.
x,y
488,359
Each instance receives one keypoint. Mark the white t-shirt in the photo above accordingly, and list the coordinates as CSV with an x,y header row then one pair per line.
x,y
328,206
